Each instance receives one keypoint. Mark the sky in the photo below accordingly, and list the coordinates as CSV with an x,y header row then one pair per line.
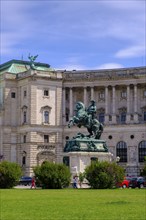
x,y
75,34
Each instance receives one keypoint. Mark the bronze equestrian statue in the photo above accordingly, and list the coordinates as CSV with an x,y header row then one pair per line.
x,y
86,117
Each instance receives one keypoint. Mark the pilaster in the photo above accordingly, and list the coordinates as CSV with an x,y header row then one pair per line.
x,y
71,102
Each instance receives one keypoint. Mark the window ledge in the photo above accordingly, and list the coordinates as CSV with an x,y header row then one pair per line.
x,y
46,123
24,123
46,97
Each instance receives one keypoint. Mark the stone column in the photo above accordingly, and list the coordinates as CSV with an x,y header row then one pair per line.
x,y
135,105
71,102
106,106
64,105
128,104
85,96
114,121
135,98
92,93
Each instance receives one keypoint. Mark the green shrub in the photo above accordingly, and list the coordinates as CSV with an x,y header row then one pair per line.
x,y
9,174
52,176
143,172
103,175
81,178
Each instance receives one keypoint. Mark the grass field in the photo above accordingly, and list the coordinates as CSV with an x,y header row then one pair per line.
x,y
73,204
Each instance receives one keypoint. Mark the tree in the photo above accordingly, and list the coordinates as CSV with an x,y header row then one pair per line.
x,y
143,173
52,176
9,174
81,178
103,175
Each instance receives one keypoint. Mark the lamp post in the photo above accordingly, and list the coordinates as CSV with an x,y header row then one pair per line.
x,y
117,159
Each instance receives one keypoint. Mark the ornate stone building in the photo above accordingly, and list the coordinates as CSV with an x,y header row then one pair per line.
x,y
36,105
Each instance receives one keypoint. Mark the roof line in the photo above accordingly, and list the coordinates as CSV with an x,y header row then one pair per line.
x,y
7,64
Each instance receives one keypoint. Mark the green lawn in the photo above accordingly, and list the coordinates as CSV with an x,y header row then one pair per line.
x,y
73,204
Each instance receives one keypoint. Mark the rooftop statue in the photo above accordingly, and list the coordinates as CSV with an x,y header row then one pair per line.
x,y
32,59
86,117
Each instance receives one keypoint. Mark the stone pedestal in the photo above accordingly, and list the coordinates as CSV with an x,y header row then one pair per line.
x,y
78,161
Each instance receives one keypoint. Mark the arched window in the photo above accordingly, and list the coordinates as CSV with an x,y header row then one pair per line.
x,y
46,117
142,151
121,151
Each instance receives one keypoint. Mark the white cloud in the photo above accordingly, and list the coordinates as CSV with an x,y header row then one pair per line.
x,y
54,23
134,51
124,4
83,67
110,66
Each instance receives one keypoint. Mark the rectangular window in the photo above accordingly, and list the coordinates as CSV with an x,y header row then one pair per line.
x,y
67,117
101,95
123,117
24,139
13,95
110,118
94,159
101,117
24,117
46,92
123,94
66,160
67,96
25,93
23,160
144,116
46,117
46,138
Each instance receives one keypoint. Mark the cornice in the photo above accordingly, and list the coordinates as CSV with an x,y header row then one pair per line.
x,y
116,74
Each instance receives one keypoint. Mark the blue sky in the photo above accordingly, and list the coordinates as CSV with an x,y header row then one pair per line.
x,y
75,34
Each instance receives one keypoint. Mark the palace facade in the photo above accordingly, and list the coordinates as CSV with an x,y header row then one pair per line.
x,y
36,105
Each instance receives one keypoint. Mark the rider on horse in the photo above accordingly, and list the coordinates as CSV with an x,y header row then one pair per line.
x,y
87,118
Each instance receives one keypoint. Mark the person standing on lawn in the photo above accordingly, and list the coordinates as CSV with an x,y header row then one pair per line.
x,y
75,182
33,185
